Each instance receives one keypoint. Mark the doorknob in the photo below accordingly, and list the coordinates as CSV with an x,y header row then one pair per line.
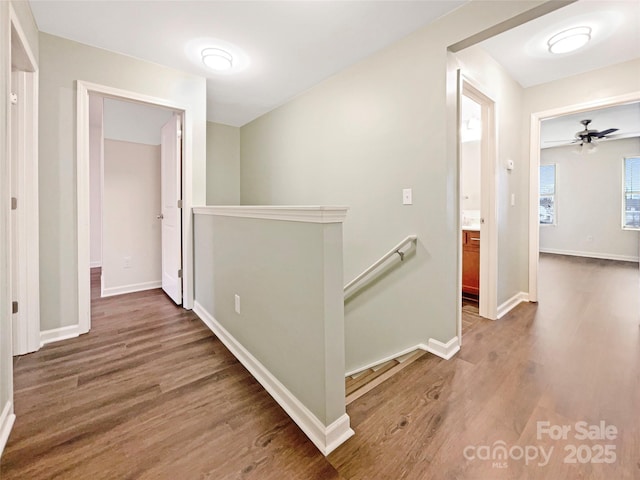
x,y
160,216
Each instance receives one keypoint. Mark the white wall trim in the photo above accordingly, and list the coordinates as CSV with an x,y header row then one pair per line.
x,y
534,180
304,213
603,256
443,350
27,320
385,359
326,438
7,417
57,334
512,303
135,287
82,193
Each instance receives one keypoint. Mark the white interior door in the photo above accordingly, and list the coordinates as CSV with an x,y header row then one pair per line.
x,y
171,214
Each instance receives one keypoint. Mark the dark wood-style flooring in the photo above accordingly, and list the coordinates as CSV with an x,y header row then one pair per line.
x,y
150,393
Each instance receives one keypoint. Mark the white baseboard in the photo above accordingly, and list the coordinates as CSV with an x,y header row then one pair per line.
x,y
512,303
57,334
7,417
443,350
325,437
95,264
384,360
603,256
136,287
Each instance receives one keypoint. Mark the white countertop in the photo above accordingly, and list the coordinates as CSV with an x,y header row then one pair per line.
x,y
471,228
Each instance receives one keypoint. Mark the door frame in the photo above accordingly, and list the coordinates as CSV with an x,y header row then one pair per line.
x,y
534,176
488,297
25,81
83,216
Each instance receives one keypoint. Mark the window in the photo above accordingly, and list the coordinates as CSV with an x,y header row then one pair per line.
x,y
547,207
631,200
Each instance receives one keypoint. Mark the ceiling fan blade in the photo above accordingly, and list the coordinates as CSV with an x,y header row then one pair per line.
x,y
604,132
568,140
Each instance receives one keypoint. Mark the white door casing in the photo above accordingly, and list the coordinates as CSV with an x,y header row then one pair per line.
x,y
171,213
24,244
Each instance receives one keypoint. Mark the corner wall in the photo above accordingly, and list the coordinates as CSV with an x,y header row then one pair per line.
x,y
359,139
223,164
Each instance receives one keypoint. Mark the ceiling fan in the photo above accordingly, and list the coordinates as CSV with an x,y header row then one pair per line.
x,y
588,136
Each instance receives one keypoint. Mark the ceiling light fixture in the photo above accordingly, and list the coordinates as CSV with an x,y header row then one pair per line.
x,y
569,40
217,59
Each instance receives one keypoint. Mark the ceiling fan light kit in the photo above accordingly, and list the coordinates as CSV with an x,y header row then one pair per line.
x,y
569,40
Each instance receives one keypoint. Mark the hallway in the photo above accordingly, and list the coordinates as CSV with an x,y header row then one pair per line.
x,y
150,393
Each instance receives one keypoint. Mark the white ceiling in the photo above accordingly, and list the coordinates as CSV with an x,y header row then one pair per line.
x,y
615,38
291,45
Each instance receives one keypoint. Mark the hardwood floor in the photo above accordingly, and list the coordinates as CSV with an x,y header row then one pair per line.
x,y
151,394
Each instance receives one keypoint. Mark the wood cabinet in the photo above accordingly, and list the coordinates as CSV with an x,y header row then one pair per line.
x,y
470,262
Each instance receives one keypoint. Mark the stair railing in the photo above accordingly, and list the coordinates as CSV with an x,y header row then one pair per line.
x,y
397,250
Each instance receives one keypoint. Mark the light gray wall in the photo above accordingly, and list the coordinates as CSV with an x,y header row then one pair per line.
x,y
512,220
289,278
358,139
134,122
223,164
131,229
589,202
62,63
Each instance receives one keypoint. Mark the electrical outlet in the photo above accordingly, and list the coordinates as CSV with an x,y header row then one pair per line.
x,y
127,262
237,303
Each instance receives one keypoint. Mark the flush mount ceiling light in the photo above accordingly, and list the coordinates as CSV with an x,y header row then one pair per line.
x,y
569,40
217,59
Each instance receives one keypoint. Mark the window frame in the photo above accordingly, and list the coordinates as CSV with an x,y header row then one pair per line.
x,y
554,223
623,203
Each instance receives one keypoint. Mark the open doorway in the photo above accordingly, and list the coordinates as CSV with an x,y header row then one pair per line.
x,y
560,230
477,186
129,143
173,190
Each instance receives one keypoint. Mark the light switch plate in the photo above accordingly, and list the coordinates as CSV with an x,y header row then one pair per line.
x,y
407,196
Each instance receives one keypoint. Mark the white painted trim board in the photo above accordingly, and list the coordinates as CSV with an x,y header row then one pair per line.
x,y
301,213
512,303
58,334
326,438
135,287
443,350
7,418
603,256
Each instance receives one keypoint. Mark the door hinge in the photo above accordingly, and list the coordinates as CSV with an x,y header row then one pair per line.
x,y
13,97
14,203
179,133
180,273
14,307
179,203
